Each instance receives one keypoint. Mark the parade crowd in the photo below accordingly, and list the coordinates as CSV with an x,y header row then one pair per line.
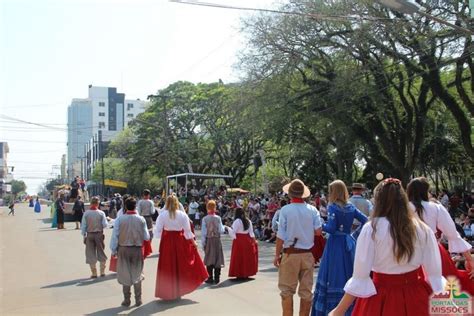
x,y
383,255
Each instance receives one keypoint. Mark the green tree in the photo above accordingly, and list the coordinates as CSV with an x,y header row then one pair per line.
x,y
18,186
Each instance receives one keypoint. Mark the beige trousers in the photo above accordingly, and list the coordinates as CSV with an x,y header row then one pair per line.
x,y
296,268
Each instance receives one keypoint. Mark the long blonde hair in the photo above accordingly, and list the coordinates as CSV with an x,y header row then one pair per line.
x,y
338,192
172,205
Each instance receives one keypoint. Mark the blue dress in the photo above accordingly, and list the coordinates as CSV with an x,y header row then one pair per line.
x,y
37,207
337,263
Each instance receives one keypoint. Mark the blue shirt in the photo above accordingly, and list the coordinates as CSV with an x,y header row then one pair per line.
x,y
362,204
298,220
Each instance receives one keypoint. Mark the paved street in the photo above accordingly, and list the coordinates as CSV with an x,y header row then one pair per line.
x,y
43,271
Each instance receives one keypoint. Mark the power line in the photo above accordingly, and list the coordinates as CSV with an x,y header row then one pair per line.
x,y
315,16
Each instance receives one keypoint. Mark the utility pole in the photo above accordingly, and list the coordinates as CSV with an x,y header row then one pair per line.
x,y
101,152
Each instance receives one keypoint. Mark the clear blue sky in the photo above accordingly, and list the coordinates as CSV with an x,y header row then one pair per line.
x,y
51,50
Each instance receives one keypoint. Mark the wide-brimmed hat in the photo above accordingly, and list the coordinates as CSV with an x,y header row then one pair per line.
x,y
359,186
297,189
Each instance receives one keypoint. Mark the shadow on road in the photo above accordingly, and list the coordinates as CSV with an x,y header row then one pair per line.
x,y
150,308
231,282
271,269
110,311
45,220
81,282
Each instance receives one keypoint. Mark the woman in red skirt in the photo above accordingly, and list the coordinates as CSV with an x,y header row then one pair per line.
x,y
394,246
437,217
244,255
180,268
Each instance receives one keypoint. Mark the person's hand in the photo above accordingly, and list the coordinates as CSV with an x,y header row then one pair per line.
x,y
276,261
84,240
336,312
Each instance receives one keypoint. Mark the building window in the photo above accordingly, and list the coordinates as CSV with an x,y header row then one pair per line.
x,y
130,115
101,124
129,106
101,113
102,104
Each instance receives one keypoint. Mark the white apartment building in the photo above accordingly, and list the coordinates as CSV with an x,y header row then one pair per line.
x,y
105,112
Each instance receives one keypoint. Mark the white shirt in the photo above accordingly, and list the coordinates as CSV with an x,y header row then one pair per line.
x,y
437,217
238,228
193,207
377,255
180,222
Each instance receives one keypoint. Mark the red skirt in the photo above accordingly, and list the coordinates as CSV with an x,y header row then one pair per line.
x,y
405,294
449,269
244,257
318,248
180,268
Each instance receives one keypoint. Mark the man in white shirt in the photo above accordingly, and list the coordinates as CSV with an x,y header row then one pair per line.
x,y
193,209
146,208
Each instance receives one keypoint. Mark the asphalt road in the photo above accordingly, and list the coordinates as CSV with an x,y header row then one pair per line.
x,y
43,272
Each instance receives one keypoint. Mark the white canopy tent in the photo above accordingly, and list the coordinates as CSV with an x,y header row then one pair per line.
x,y
190,176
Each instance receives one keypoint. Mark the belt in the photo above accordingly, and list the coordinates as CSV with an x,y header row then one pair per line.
x,y
291,250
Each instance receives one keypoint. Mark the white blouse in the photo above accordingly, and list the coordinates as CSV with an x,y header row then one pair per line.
x,y
238,228
437,217
377,255
180,222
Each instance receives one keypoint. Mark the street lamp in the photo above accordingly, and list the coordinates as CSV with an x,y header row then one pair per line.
x,y
411,7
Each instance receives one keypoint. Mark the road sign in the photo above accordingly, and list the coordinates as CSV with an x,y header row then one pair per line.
x,y
115,183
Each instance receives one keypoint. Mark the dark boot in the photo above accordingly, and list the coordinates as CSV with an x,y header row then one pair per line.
x,y
217,275
137,288
209,280
126,295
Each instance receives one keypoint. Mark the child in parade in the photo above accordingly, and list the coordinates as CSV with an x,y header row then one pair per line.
x,y
92,228
180,268
212,229
392,247
244,255
337,262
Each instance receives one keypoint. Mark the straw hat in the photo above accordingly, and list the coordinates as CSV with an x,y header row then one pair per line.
x,y
296,189
359,186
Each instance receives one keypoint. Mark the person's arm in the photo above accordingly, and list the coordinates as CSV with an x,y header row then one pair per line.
x,y
275,222
203,233
432,262
159,226
278,250
360,284
251,232
317,223
84,225
281,237
343,305
146,233
360,216
115,237
455,242
104,220
188,234
221,226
